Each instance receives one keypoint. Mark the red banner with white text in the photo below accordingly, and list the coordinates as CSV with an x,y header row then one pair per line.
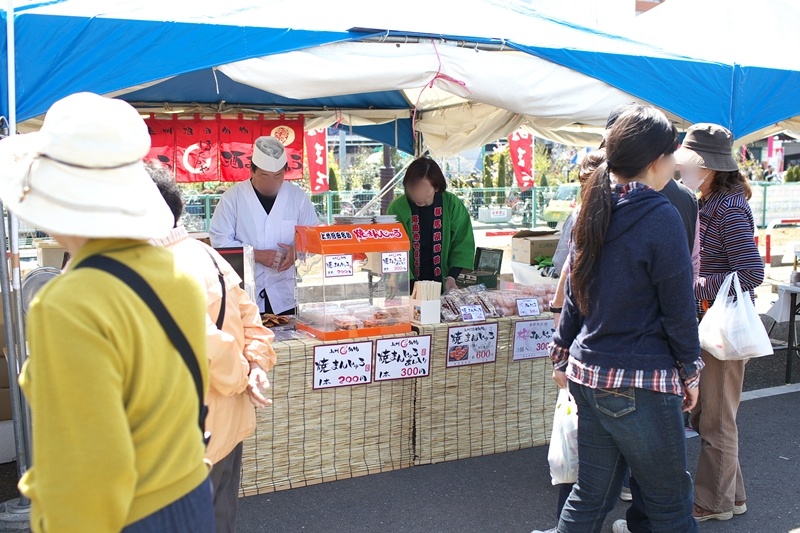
x,y
236,138
520,144
221,149
317,154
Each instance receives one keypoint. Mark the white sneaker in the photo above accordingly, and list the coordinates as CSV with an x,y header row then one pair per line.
x,y
625,495
553,530
620,526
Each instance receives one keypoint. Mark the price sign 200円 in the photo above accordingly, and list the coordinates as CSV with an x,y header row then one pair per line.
x,y
342,365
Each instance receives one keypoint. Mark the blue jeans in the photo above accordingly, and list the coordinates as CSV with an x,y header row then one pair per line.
x,y
636,428
194,513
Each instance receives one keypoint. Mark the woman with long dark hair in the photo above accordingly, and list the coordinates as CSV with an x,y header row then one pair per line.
x,y
627,341
727,245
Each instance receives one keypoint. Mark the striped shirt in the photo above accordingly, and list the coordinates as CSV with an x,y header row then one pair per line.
x,y
726,245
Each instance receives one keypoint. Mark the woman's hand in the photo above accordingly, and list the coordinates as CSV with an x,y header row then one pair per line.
x,y
560,378
258,382
690,397
449,284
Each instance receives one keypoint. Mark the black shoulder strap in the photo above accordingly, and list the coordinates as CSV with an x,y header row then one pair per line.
x,y
221,316
138,284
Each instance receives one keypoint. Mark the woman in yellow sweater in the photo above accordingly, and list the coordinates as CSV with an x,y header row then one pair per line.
x,y
116,439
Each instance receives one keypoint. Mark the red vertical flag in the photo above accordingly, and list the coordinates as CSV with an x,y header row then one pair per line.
x,y
520,144
317,154
290,133
196,150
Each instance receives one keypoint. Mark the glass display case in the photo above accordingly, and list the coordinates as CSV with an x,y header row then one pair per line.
x,y
352,281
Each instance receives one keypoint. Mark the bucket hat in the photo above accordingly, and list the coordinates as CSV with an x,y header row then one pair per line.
x,y
83,174
708,146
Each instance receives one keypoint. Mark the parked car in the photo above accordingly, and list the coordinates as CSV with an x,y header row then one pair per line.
x,y
559,208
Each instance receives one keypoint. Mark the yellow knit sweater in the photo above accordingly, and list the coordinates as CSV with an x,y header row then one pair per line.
x,y
115,433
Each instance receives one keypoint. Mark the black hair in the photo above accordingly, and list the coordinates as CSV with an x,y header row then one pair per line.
x,y
638,138
425,168
168,188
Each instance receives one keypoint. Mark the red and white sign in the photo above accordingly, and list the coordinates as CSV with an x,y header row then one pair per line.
x,y
236,138
219,149
196,150
402,358
520,145
317,154
362,234
342,365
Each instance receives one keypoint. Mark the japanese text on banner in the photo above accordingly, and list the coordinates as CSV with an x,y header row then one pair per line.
x,y
403,357
342,365
520,145
532,339
470,345
317,154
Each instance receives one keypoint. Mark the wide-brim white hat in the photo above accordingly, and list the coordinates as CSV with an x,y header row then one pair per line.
x,y
82,175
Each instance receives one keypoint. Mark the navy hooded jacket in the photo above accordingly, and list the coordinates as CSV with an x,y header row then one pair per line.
x,y
641,312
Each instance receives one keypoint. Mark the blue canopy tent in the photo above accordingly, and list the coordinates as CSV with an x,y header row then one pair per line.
x,y
756,41
152,53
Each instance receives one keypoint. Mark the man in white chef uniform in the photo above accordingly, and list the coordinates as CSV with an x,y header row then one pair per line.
x,y
263,212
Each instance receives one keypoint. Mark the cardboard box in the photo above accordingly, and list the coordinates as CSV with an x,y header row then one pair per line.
x,y
5,404
527,245
50,254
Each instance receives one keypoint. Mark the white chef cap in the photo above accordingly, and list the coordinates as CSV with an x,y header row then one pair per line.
x,y
269,154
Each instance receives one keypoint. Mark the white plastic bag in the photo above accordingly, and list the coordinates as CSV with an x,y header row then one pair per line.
x,y
563,452
732,329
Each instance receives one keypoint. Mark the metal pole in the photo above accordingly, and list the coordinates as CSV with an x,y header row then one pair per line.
x,y
16,510
342,159
387,173
12,360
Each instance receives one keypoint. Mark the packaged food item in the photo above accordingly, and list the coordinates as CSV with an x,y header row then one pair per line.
x,y
347,323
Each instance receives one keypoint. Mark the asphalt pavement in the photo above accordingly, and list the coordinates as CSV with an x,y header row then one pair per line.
x,y
511,492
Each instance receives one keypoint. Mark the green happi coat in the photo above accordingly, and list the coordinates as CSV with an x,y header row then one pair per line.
x,y
458,240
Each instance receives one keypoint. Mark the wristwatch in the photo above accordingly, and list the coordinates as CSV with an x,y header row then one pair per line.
x,y
554,309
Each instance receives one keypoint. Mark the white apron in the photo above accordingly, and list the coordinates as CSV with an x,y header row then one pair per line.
x,y
240,219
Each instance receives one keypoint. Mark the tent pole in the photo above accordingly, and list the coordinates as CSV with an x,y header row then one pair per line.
x,y
14,510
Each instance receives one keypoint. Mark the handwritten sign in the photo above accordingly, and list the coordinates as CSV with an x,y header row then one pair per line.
x,y
532,339
472,345
394,262
403,357
472,313
342,365
337,266
528,307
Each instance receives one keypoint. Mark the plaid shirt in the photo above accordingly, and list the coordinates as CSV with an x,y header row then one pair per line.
x,y
669,381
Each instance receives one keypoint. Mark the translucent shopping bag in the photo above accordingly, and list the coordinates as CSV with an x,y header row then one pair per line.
x,y
732,329
563,452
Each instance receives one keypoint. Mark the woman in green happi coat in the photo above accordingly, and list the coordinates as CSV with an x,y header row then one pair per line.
x,y
437,223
